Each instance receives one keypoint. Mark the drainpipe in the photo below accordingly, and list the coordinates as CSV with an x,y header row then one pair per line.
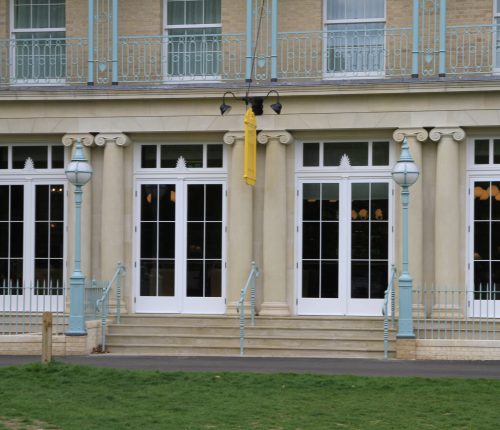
x,y
248,74
90,44
274,41
414,55
114,44
442,39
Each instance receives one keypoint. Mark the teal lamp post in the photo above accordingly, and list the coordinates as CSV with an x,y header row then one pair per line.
x,y
405,173
78,172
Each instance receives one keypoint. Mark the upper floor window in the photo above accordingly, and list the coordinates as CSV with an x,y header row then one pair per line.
x,y
355,37
172,156
39,29
487,152
193,28
31,156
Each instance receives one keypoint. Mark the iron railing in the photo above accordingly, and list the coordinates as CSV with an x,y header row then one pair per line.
x,y
451,314
22,306
253,274
389,300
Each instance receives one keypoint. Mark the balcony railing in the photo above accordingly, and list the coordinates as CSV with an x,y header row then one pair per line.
x,y
313,55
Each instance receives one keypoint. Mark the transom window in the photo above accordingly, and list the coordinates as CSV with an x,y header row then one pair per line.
x,y
193,28
487,152
335,154
193,155
39,29
36,156
355,36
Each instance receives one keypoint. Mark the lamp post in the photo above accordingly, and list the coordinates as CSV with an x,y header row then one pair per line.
x,y
405,173
78,172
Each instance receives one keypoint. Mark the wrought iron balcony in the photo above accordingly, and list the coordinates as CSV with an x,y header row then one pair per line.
x,y
299,56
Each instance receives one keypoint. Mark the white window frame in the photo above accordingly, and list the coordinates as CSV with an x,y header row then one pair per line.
x,y
13,32
30,178
165,52
345,176
180,303
350,75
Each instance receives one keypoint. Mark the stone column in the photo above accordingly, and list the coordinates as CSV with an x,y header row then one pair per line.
x,y
274,227
448,230
240,222
112,206
415,137
69,141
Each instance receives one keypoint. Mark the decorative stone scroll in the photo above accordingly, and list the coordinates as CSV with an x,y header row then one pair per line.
x,y
85,138
120,139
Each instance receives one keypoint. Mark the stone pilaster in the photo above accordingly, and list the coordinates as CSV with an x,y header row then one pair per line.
x,y
240,222
274,227
112,205
448,230
415,138
87,141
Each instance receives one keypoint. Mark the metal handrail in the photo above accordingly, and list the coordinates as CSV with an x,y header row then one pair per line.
x,y
254,272
389,293
102,304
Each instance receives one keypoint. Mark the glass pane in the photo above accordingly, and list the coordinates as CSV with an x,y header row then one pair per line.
x,y
330,202
495,280
42,203
149,240
213,202
16,271
16,239
57,15
495,240
310,156
149,210
379,240
192,154
4,276
166,240
37,153
22,16
360,201
378,279
40,16
194,279
482,151
214,156
167,202
56,239
148,278
148,156
212,12
4,202
329,279
57,202
213,280
310,279
495,200
175,12
56,275
195,240
17,202
4,241
166,278
481,240
194,12
311,201
41,240
379,201
359,280
496,151
196,202
357,152
57,157
310,240
213,241
330,240
4,160
481,201
360,235
380,153
41,274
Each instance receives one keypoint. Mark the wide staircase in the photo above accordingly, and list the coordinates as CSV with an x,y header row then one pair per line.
x,y
334,337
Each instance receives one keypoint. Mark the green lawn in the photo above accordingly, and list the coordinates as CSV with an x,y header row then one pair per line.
x,y
62,396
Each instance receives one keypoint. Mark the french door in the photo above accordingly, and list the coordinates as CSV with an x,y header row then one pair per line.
x,y
484,288
343,237
32,226
180,252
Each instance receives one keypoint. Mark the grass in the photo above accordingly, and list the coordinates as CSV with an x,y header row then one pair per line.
x,y
63,396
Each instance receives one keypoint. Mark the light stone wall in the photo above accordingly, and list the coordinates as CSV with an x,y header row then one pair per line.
x,y
76,18
457,349
463,12
4,19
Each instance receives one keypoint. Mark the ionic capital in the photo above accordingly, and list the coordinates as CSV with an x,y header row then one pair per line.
x,y
119,139
86,139
231,137
281,136
418,133
456,133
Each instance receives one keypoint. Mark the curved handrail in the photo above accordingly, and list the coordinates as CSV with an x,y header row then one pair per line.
x,y
102,303
389,293
254,272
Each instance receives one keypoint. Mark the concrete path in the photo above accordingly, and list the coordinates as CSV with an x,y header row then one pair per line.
x,y
455,369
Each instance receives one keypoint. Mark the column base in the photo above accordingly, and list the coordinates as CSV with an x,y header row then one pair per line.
x,y
232,309
406,349
274,309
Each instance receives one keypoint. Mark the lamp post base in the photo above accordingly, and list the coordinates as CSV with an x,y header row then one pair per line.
x,y
76,326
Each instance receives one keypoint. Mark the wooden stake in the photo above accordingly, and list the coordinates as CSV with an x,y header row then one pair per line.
x,y
47,337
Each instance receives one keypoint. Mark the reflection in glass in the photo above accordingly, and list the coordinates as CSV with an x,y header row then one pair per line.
x,y
330,202
148,156
310,240
380,153
310,279
329,279
214,202
57,157
481,151
360,280
311,196
148,240
149,208
213,279
148,277
196,203
378,279
310,156
214,156
194,281
166,278
167,202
